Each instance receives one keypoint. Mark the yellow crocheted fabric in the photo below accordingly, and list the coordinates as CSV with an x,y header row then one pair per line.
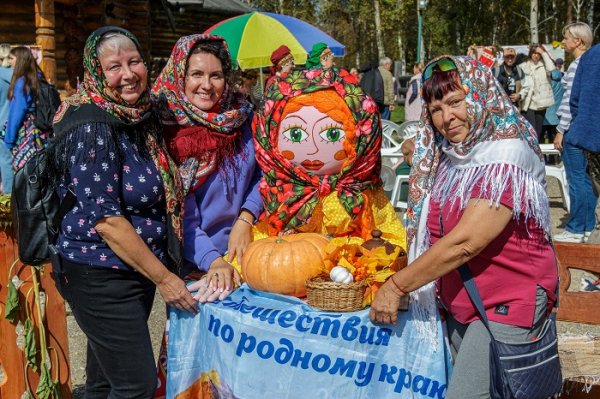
x,y
329,217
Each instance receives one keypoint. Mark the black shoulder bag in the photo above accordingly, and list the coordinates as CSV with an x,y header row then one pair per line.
x,y
526,370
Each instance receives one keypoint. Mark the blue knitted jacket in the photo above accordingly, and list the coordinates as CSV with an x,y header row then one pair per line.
x,y
585,103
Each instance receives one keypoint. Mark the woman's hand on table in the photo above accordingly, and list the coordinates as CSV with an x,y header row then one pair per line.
x,y
384,308
176,294
217,284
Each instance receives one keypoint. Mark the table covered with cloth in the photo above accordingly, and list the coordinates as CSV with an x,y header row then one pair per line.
x,y
260,345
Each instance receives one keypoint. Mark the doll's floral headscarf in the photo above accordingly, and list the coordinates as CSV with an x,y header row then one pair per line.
x,y
291,193
501,146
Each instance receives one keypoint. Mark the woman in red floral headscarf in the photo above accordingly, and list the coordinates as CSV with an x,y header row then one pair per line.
x,y
318,140
207,129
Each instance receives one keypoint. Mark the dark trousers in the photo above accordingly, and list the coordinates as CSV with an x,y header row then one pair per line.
x,y
112,309
536,119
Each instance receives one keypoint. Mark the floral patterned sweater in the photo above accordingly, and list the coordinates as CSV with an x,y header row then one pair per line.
x,y
109,185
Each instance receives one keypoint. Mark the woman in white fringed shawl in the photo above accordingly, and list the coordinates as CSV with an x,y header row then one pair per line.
x,y
478,176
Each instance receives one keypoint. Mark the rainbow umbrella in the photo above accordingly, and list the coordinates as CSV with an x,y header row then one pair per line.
x,y
253,37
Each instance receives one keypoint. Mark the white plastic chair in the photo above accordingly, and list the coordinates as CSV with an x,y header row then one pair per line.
x,y
387,177
548,149
395,199
388,128
561,175
408,129
390,148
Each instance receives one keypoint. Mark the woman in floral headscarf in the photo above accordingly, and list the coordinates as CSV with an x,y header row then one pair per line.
x,y
123,235
478,181
318,141
207,129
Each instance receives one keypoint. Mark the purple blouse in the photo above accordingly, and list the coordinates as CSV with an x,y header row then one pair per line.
x,y
212,210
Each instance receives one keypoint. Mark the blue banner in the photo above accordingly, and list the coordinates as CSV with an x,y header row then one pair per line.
x,y
260,345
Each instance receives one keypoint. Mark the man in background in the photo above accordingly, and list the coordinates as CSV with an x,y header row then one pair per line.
x,y
387,106
511,77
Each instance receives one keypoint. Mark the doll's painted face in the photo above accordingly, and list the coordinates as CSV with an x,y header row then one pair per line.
x,y
312,140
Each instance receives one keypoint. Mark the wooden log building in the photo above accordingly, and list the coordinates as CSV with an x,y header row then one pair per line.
x,y
61,27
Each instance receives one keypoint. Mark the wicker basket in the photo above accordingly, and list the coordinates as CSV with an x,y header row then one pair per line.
x,y
324,294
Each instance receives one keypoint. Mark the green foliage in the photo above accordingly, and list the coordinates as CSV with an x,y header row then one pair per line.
x,y
30,348
12,302
397,115
47,388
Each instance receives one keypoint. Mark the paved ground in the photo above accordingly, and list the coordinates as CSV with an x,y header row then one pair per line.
x,y
77,340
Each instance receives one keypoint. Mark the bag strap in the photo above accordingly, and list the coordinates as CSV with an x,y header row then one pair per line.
x,y
65,205
471,287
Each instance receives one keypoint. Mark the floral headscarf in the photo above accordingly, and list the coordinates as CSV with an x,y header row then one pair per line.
x,y
291,193
174,108
205,138
96,89
501,145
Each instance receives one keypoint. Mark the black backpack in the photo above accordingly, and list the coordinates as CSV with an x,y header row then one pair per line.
x,y
37,211
47,102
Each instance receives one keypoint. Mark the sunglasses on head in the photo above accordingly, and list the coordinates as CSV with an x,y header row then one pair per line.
x,y
445,64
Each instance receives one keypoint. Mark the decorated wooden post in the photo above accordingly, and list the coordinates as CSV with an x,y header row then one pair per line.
x,y
44,24
33,325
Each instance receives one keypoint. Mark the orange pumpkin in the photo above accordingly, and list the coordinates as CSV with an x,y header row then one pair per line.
x,y
282,264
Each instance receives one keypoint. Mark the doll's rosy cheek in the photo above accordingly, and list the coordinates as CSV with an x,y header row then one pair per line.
x,y
340,155
288,154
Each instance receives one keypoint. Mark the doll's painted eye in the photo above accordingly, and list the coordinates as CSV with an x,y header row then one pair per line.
x,y
295,134
332,134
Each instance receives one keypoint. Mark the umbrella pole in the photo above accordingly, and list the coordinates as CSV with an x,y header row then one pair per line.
x,y
262,81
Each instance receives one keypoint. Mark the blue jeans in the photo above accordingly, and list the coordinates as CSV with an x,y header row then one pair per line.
x,y
384,110
583,200
6,167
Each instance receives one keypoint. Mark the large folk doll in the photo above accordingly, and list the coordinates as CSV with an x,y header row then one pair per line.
x,y
317,139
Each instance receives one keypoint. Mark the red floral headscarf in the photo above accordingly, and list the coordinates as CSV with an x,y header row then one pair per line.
x,y
204,139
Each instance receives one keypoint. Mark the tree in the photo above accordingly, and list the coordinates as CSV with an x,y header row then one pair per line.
x,y
533,22
380,48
